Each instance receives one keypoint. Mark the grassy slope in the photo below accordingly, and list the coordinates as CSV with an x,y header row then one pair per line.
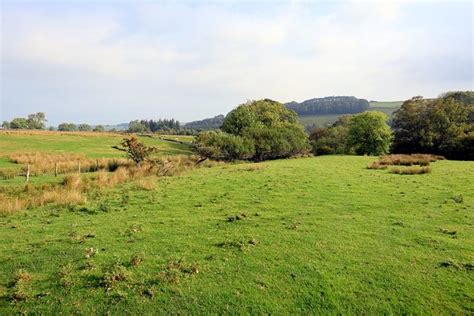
x,y
385,104
91,145
332,237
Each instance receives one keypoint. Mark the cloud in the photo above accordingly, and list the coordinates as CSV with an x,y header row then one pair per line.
x,y
104,63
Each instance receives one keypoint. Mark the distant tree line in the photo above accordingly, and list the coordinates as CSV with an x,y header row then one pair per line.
x,y
170,126
33,121
329,105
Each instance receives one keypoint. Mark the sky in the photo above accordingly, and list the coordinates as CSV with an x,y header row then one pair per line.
x,y
106,62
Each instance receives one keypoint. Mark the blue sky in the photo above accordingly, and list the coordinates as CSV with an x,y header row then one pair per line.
x,y
113,61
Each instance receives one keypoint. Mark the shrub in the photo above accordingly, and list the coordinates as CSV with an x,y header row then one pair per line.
x,y
135,150
257,130
369,133
223,146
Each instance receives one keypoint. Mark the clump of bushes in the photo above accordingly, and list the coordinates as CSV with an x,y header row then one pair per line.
x,y
257,130
366,133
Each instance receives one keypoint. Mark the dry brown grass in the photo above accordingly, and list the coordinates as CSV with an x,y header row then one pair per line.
x,y
46,163
422,160
45,132
74,188
410,170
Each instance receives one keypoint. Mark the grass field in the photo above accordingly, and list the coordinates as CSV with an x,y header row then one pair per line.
x,y
93,145
385,104
309,235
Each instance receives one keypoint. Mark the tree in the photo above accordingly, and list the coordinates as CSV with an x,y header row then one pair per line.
x,y
19,123
439,126
333,139
99,128
218,145
136,150
369,133
270,127
36,121
6,125
84,128
67,127
136,127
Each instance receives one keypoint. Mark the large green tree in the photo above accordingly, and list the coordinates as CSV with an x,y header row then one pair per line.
x,y
442,126
369,133
36,121
263,129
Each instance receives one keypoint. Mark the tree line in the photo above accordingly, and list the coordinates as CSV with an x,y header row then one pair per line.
x,y
329,105
266,129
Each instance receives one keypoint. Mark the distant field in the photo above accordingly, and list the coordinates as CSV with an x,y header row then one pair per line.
x,y
93,145
235,238
318,120
386,104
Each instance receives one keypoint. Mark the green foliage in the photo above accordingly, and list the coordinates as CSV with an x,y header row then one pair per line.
x,y
67,127
218,145
99,128
136,127
369,133
19,123
440,126
84,128
36,121
267,126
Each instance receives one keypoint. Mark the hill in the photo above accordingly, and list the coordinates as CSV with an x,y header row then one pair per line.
x,y
206,124
329,105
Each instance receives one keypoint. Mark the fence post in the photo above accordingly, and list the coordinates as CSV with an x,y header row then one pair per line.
x,y
97,165
55,169
79,166
28,173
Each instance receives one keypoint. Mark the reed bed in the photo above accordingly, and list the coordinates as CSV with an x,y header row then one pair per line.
x,y
75,187
422,160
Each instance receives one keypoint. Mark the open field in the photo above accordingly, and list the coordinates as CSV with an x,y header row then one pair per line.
x,y
310,235
93,145
385,104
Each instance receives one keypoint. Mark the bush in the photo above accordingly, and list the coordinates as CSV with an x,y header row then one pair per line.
x,y
257,130
333,139
369,133
222,146
410,170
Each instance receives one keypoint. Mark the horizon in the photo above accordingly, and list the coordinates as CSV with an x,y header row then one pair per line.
x,y
100,63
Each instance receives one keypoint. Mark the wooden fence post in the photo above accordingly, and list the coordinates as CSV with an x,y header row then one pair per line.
x,y
79,166
28,173
97,165
55,169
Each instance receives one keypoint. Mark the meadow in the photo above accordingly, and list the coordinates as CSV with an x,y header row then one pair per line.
x,y
309,235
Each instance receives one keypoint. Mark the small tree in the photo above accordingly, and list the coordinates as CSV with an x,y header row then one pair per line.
x,y
36,121
136,150
84,127
369,133
19,123
67,127
99,128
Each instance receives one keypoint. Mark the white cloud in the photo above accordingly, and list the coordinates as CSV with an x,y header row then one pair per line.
x,y
193,60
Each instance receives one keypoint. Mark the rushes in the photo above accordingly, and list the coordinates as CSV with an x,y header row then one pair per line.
x,y
75,187
407,164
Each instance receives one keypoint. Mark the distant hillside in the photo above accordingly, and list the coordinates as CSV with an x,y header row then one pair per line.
x,y
329,105
385,104
206,124
118,127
